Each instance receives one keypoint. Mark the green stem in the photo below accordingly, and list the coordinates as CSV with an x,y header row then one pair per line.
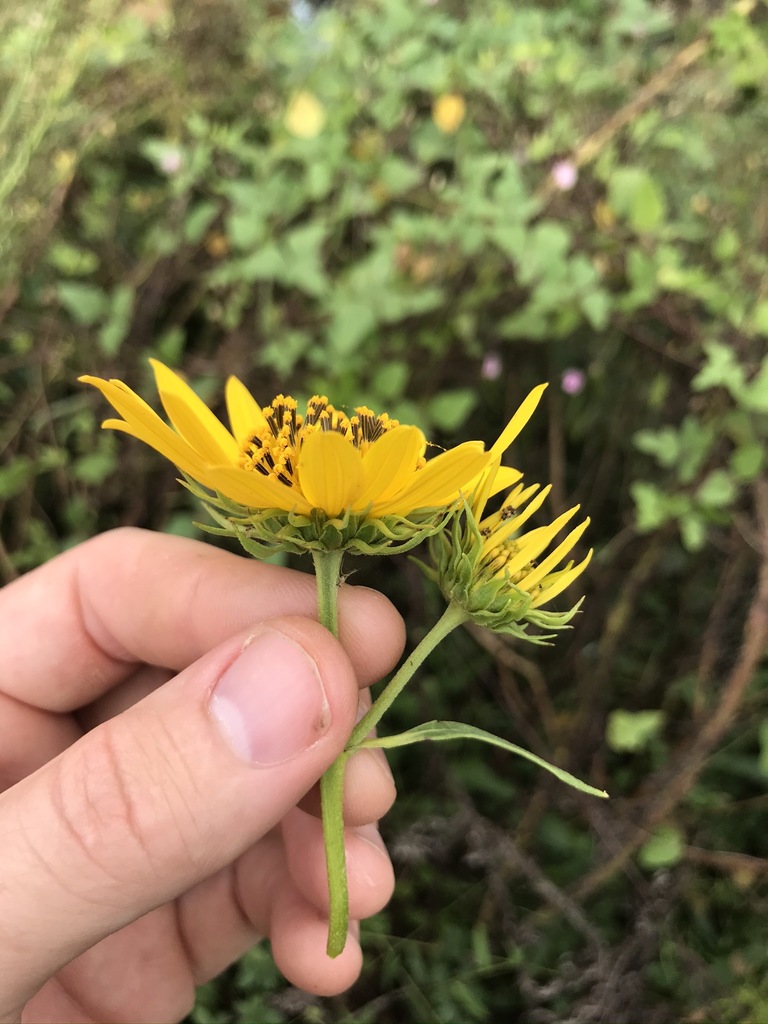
x,y
452,617
327,572
332,812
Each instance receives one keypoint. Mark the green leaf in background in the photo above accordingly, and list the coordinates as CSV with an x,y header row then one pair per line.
x,y
449,409
663,444
118,323
762,735
199,219
634,194
352,322
632,731
85,303
754,395
458,731
72,260
747,461
15,476
96,466
18,474
760,317
663,850
651,505
597,308
169,346
546,248
717,490
726,245
693,531
390,380
648,207
721,370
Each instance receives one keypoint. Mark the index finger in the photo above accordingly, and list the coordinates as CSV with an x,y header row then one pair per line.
x,y
77,626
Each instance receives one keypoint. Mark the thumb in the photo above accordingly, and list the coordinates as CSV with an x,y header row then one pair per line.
x,y
165,794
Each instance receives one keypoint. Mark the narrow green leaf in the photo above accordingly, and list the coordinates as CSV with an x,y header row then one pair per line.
x,y
460,731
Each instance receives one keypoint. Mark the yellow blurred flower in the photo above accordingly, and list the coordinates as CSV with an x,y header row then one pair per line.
x,y
448,112
305,115
64,161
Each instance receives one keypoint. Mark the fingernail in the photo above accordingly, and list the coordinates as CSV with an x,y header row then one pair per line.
x,y
270,704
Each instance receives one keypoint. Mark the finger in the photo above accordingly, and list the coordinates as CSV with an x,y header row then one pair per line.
x,y
298,935
29,738
159,798
143,681
133,596
369,789
369,870
227,913
139,974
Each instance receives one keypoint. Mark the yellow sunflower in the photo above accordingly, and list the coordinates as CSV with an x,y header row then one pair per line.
x,y
283,477
491,568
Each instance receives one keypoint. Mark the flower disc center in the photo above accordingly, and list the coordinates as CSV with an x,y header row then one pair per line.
x,y
274,449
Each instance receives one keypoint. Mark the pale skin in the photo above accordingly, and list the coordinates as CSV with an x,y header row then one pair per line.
x,y
143,847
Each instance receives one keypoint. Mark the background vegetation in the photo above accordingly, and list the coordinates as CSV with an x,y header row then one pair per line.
x,y
430,206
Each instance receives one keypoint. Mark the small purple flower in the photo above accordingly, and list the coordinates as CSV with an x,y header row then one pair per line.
x,y
171,161
492,366
572,381
565,175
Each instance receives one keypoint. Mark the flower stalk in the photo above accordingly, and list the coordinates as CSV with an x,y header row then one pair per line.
x,y
328,574
452,617
332,782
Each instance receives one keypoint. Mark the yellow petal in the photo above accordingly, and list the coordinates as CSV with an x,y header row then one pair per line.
x,y
561,583
143,423
513,524
440,482
390,462
254,489
521,494
245,415
516,497
506,477
330,472
481,489
192,466
192,418
535,542
518,421
554,558
496,478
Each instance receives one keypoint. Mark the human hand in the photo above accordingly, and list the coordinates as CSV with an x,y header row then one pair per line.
x,y
164,707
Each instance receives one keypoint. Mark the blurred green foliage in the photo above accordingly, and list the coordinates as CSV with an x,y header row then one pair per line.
x,y
270,190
